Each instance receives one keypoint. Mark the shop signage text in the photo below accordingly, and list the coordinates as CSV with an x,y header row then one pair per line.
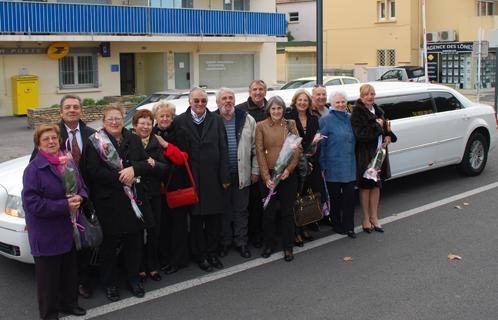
x,y
22,51
450,47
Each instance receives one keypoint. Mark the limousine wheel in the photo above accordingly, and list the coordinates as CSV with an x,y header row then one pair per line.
x,y
476,155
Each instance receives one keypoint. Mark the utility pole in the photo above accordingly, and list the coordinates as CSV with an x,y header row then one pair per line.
x,y
319,42
424,31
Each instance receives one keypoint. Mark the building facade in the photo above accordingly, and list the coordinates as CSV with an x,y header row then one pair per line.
x,y
376,33
102,48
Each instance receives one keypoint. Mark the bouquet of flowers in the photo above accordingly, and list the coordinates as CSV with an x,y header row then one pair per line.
x,y
373,169
311,150
70,181
110,156
290,145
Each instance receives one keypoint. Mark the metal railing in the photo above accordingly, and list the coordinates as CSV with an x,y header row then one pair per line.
x,y
65,18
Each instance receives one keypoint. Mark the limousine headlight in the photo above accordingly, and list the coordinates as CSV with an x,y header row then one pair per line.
x,y
13,206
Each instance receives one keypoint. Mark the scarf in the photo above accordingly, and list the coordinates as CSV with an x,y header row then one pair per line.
x,y
58,160
196,118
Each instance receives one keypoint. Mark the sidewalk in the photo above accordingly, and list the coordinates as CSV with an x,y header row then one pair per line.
x,y
16,139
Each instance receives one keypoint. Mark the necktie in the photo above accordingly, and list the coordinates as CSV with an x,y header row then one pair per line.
x,y
75,148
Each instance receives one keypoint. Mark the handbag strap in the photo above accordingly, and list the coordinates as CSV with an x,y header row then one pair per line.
x,y
191,178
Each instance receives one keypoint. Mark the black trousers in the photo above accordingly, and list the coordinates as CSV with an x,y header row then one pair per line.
x,y
342,205
285,196
129,246
205,231
173,247
57,283
255,208
150,261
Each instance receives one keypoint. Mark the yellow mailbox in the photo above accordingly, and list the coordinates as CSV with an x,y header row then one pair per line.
x,y
24,93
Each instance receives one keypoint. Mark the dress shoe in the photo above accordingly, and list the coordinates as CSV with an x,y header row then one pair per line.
x,y
155,276
84,291
223,251
170,269
298,241
215,262
244,251
266,253
205,266
288,255
112,293
377,227
351,234
137,289
165,267
367,229
75,311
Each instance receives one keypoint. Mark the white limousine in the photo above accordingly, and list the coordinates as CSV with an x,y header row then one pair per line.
x,y
436,126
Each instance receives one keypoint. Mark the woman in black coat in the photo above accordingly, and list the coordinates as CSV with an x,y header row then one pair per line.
x,y
174,252
121,227
142,125
370,129
308,126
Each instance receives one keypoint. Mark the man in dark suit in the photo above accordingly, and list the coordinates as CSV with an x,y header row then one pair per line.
x,y
206,146
74,136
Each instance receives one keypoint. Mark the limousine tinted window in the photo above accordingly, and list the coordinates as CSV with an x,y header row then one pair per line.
x,y
445,101
406,106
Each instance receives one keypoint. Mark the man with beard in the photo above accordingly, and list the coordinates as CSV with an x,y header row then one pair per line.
x,y
240,130
255,106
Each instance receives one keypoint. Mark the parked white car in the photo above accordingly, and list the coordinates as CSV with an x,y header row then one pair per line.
x,y
436,126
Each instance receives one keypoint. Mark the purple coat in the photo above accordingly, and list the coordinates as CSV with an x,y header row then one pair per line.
x,y
50,231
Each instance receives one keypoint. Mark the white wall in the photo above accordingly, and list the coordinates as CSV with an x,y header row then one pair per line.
x,y
305,29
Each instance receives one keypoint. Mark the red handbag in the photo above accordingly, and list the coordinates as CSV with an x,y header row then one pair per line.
x,y
182,197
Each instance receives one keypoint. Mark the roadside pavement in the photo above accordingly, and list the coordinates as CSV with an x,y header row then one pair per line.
x,y
16,138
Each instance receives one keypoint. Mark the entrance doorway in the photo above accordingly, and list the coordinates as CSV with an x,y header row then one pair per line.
x,y
127,73
182,70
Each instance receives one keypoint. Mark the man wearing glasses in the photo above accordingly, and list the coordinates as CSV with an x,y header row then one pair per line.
x,y
206,146
74,136
255,106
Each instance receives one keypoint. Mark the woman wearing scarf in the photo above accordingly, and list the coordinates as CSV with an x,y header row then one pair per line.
x,y
49,212
116,161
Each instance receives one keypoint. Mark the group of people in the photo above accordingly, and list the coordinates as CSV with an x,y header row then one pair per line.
x,y
229,156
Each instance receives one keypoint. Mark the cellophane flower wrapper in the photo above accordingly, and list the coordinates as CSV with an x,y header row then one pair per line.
x,y
110,156
70,183
291,143
373,170
311,150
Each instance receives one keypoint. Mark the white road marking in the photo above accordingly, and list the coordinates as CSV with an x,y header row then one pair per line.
x,y
162,292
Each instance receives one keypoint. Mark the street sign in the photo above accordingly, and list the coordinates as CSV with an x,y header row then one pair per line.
x,y
484,48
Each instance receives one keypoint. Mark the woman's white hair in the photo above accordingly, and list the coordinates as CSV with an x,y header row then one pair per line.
x,y
337,93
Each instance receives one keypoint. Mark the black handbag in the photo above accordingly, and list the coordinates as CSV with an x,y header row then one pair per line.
x,y
307,208
91,234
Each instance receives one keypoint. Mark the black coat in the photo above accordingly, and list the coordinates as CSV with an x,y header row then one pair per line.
x,y
113,207
156,175
258,113
178,137
208,159
366,131
314,180
85,131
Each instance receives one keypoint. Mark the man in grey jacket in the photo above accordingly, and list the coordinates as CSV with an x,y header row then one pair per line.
x,y
240,131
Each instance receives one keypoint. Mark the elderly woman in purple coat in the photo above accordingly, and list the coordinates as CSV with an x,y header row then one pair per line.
x,y
50,212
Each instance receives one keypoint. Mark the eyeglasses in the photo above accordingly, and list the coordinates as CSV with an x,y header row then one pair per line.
x,y
199,100
114,120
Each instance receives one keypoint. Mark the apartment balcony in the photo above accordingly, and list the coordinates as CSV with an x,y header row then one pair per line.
x,y
62,21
